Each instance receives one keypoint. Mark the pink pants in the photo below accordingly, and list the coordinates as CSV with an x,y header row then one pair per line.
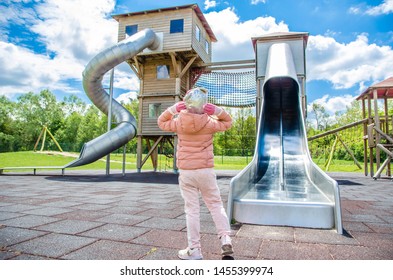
x,y
204,181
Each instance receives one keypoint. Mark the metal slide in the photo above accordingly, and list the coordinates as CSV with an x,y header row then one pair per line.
x,y
282,186
92,84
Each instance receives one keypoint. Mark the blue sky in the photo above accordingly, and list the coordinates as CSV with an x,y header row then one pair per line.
x,y
47,43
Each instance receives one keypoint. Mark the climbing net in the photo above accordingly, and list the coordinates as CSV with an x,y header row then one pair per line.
x,y
231,89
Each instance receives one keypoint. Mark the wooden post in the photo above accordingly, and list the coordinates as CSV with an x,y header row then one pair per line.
x,y
331,154
370,121
139,151
387,125
43,139
54,140
349,151
364,139
39,137
378,125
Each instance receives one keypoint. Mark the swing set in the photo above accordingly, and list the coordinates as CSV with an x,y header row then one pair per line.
x,y
43,133
350,131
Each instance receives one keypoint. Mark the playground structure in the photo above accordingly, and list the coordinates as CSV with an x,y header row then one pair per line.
x,y
286,188
170,51
164,74
377,129
282,185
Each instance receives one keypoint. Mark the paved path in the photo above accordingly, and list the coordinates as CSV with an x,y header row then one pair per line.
x,y
87,215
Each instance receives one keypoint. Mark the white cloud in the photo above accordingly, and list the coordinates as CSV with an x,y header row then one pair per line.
x,y
347,65
72,32
332,106
256,2
234,36
76,29
126,98
24,71
210,4
385,8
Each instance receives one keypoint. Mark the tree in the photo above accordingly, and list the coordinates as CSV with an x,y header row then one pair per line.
x,y
92,125
32,112
74,109
321,116
6,124
240,138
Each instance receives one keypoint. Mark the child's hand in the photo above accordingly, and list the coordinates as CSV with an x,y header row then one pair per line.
x,y
174,109
180,106
211,109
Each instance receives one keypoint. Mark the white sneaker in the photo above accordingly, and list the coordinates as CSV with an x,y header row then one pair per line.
x,y
226,245
190,254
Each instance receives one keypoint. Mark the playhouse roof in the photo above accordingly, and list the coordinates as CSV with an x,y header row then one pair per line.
x,y
195,7
384,89
280,35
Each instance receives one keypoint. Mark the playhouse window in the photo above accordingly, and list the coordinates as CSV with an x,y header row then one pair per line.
x,y
154,110
177,26
163,72
131,30
207,46
197,33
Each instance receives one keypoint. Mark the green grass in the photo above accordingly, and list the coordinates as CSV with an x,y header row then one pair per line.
x,y
29,158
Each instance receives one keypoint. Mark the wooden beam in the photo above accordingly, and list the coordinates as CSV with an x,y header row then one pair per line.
x,y
387,137
336,130
137,69
152,149
174,63
189,63
377,125
349,151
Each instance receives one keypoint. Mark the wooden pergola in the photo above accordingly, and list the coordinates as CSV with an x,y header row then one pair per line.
x,y
378,127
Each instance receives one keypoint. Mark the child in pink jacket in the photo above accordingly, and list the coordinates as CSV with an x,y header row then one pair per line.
x,y
195,121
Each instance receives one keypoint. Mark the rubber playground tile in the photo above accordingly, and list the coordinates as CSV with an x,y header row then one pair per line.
x,y
61,204
357,226
9,215
48,211
323,236
123,219
53,245
163,238
18,208
10,235
157,253
246,247
163,213
91,206
348,252
29,221
267,232
129,210
163,223
85,215
69,226
109,250
377,240
381,227
283,250
115,232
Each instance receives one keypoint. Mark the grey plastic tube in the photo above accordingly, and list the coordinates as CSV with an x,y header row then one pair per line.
x,y
92,84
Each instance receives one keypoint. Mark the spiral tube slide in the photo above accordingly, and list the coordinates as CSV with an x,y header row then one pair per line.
x,y
92,84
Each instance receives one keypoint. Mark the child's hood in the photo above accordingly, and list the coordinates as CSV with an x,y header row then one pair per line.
x,y
192,123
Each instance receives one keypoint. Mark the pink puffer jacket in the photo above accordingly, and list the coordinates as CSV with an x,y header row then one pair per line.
x,y
195,136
